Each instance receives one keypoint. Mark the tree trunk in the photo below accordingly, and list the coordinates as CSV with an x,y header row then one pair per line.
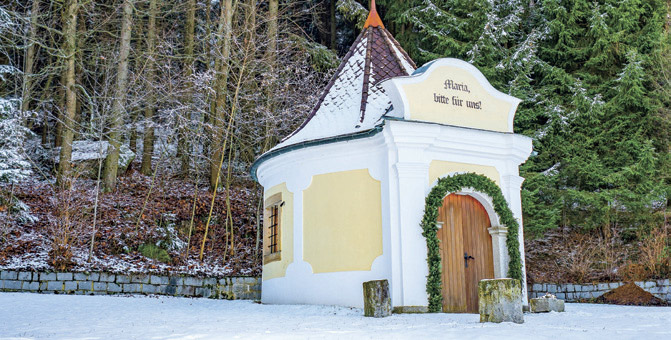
x,y
132,139
150,109
30,57
334,36
183,149
216,154
271,56
112,159
67,132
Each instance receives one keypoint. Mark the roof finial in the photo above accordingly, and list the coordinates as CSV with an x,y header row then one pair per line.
x,y
373,18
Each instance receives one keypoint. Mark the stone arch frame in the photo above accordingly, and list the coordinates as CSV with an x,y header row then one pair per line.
x,y
468,183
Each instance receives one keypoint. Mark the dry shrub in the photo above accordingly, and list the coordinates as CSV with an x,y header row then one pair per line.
x,y
581,259
634,272
655,252
66,229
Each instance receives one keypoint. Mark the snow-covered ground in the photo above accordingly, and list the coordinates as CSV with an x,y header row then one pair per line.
x,y
36,316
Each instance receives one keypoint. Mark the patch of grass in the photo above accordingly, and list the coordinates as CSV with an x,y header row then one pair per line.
x,y
155,252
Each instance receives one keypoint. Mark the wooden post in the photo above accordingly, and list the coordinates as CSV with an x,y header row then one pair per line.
x,y
376,299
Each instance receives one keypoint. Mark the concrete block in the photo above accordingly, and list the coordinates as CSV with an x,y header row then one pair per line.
x,y
614,285
139,278
551,288
122,279
113,288
167,289
81,276
193,281
55,285
85,285
176,280
64,276
561,296
107,277
100,286
159,280
185,291
225,281
597,294
94,277
544,305
649,284
47,276
656,290
536,287
25,276
8,275
376,299
149,289
602,287
577,288
131,288
500,300
71,285
250,280
31,286
204,292
210,281
12,284
43,286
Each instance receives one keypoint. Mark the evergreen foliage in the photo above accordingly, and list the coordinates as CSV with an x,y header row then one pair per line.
x,y
591,91
434,200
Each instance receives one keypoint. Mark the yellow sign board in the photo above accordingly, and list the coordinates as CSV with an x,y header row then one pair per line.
x,y
452,92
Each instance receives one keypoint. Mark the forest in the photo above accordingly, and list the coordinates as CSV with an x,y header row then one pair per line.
x,y
128,127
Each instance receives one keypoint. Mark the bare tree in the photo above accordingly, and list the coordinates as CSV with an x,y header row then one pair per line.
x,y
150,109
222,68
118,102
69,50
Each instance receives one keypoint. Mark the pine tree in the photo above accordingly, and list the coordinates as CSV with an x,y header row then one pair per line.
x,y
583,71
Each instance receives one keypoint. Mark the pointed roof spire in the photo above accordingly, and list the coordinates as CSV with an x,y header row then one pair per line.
x,y
373,18
354,101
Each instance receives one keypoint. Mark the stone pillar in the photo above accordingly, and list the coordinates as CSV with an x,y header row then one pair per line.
x,y
376,299
500,301
500,251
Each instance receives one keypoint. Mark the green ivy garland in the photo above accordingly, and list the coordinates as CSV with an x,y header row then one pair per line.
x,y
435,200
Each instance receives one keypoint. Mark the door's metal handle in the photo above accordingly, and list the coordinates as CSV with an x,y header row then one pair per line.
x,y
466,258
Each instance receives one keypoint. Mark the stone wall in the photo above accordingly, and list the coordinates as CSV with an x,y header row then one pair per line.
x,y
572,292
231,288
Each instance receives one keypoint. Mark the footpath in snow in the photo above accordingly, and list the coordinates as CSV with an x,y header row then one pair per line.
x,y
37,316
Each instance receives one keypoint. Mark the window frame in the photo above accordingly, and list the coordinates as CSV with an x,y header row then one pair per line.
x,y
272,239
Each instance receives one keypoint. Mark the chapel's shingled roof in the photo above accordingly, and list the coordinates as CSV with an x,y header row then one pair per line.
x,y
353,101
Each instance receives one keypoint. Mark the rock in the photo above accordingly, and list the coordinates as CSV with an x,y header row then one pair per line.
x,y
376,299
500,300
86,156
547,303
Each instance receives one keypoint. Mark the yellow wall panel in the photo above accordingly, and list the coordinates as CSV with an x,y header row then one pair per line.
x,y
453,96
442,168
342,221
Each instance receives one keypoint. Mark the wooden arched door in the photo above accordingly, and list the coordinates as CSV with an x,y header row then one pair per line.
x,y
466,252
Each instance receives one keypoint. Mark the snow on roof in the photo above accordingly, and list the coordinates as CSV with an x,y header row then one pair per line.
x,y
353,101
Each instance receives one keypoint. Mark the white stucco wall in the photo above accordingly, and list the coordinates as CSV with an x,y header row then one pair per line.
x,y
399,157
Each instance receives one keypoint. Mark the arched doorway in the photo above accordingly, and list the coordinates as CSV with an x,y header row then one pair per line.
x,y
466,251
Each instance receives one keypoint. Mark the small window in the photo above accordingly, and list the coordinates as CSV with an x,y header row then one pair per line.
x,y
272,228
